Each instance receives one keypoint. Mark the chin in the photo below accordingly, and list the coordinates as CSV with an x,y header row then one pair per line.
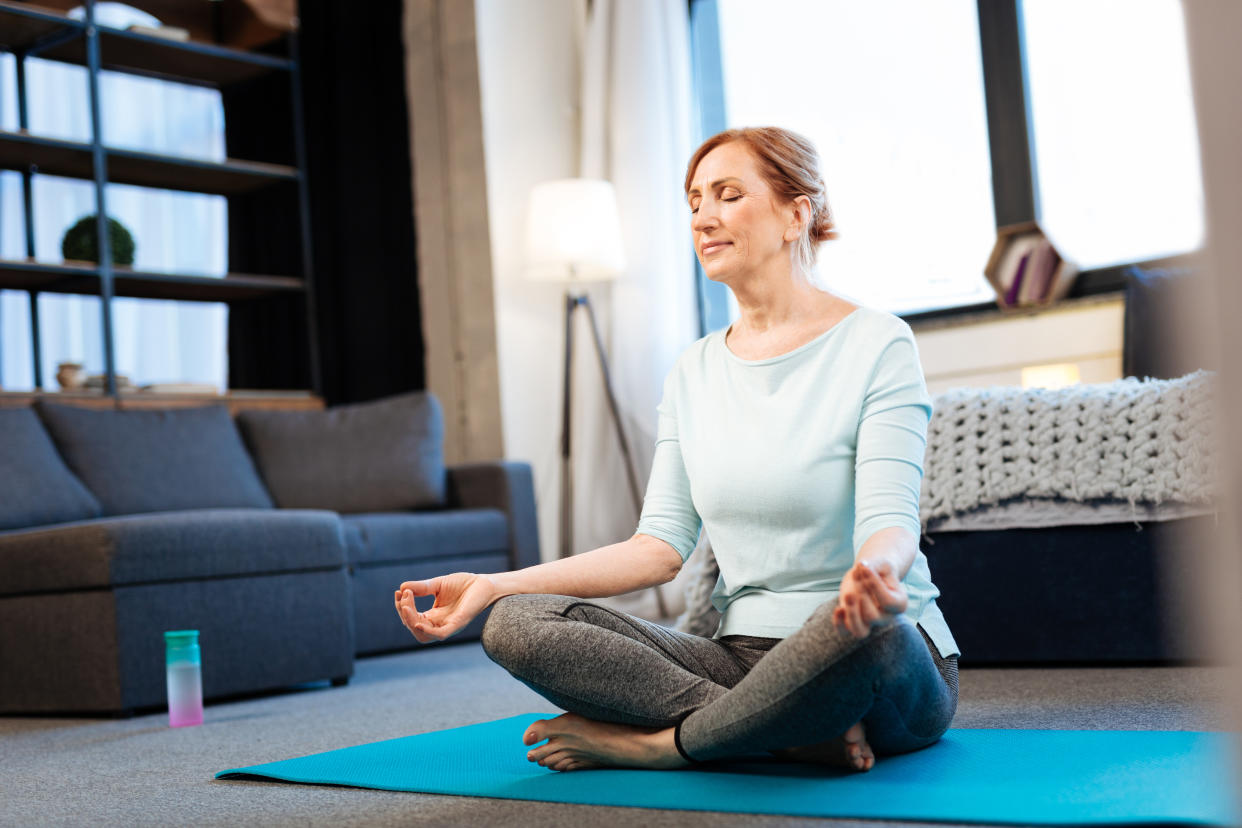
x,y
718,274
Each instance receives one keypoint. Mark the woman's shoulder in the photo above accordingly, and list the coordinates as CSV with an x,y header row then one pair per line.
x,y
877,324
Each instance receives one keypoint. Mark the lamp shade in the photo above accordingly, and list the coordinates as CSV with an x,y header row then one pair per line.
x,y
573,231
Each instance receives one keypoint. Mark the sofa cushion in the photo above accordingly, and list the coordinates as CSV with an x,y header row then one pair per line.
x,y
409,536
169,546
36,487
368,457
157,461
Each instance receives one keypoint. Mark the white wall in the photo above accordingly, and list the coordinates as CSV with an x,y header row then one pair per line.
x,y
528,76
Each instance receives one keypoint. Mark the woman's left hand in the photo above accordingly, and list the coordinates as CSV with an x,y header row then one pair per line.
x,y
871,596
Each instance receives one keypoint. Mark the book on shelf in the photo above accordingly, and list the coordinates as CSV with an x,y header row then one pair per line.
x,y
1015,282
1010,273
1026,269
1043,260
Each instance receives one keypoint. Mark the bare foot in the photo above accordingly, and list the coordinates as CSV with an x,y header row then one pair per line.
x,y
575,742
849,750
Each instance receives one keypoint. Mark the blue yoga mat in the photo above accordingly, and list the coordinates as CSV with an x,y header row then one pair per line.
x,y
971,775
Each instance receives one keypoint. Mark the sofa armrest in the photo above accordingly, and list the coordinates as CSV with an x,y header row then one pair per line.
x,y
505,485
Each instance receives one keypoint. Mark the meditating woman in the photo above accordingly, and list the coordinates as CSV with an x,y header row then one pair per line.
x,y
796,438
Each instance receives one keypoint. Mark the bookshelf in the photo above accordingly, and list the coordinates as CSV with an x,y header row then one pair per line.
x,y
44,30
1025,268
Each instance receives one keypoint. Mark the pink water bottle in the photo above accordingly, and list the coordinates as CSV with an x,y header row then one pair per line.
x,y
185,678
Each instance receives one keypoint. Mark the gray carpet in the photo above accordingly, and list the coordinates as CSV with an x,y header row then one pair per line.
x,y
140,772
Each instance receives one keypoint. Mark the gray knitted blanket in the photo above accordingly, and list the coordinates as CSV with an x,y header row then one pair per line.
x,y
1131,440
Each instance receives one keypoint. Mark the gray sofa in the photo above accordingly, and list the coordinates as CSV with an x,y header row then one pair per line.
x,y
279,536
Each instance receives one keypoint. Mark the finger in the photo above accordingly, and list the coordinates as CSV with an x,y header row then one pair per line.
x,y
870,615
887,596
416,624
852,621
420,587
857,625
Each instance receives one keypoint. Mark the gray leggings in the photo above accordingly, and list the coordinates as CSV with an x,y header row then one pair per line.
x,y
732,696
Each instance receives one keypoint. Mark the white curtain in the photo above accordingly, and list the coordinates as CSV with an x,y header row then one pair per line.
x,y
636,132
154,341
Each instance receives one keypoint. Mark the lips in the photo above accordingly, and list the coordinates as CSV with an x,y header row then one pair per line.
x,y
712,247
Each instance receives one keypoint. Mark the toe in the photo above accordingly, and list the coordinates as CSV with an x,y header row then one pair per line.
x,y
553,759
535,733
543,752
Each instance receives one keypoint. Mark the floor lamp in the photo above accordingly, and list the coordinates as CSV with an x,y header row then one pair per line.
x,y
574,237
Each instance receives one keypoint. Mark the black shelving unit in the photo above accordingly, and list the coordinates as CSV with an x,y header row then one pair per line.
x,y
31,31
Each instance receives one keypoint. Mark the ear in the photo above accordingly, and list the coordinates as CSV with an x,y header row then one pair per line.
x,y
799,216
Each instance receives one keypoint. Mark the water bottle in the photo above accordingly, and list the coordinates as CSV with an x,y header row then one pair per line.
x,y
185,678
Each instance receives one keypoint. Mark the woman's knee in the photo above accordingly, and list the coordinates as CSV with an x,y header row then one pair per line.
x,y
912,707
510,632
894,652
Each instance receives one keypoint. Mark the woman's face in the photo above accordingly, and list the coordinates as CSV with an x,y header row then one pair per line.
x,y
737,224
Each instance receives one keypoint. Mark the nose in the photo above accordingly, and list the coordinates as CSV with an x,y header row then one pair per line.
x,y
704,219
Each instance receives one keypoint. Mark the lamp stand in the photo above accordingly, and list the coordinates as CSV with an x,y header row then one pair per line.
x,y
572,302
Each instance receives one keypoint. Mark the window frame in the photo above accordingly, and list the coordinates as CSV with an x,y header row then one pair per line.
x,y
1015,194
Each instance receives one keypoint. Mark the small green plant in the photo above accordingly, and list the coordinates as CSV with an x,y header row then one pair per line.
x,y
80,242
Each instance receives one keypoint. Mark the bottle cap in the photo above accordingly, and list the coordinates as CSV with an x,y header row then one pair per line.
x,y
181,638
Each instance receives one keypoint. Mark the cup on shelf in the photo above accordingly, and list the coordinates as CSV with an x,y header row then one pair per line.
x,y
70,375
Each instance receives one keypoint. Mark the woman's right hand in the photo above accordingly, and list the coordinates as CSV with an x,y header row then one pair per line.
x,y
459,598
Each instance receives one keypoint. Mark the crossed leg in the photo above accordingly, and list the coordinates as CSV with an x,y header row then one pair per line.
x,y
639,693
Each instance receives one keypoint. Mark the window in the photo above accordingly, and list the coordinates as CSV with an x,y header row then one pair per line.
x,y
1115,142
155,341
892,96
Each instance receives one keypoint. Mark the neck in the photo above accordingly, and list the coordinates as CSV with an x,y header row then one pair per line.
x,y
773,299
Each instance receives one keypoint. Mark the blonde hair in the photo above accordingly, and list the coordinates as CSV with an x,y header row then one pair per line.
x,y
789,164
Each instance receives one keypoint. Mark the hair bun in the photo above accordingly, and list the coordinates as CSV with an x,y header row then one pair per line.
x,y
822,229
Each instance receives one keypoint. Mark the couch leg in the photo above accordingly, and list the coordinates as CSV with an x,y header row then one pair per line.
x,y
340,681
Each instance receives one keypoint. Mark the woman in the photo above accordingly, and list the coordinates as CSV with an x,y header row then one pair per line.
x,y
797,438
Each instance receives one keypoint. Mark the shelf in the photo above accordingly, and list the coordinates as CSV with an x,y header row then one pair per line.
x,y
73,159
231,41
1026,270
82,278
185,61
230,177
241,24
22,25
236,400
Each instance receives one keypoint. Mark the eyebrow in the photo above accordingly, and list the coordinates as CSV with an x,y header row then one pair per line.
x,y
713,185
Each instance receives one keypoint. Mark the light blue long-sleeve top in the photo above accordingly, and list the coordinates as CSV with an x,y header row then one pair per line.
x,y
791,463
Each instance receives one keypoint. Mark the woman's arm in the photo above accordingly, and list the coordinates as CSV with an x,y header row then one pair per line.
x,y
641,561
895,545
891,443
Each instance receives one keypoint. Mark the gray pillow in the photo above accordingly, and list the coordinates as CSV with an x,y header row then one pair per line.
x,y
377,456
36,487
157,461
